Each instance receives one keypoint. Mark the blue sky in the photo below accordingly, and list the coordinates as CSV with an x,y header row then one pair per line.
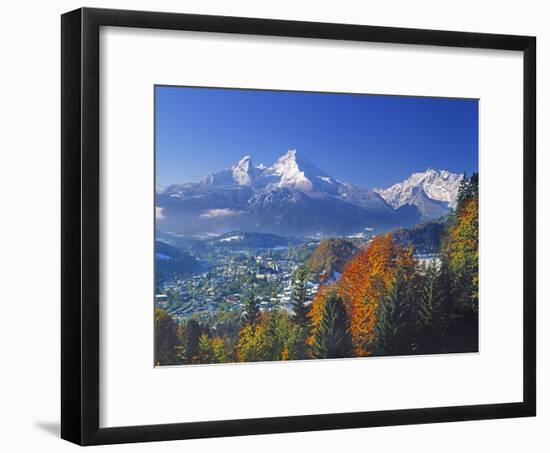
x,y
370,141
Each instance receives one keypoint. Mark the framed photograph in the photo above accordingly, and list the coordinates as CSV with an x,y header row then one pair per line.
x,y
276,226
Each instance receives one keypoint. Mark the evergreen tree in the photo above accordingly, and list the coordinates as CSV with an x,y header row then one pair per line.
x,y
191,335
473,186
289,338
296,346
299,298
430,316
273,334
427,296
468,189
462,189
206,350
393,332
166,339
332,338
251,315
445,304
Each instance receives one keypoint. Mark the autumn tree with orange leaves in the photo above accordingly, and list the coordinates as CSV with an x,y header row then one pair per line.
x,y
365,281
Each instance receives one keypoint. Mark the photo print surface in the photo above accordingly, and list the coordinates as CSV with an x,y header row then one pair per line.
x,y
307,226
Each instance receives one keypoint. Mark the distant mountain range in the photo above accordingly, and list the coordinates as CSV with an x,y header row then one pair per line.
x,y
293,197
432,192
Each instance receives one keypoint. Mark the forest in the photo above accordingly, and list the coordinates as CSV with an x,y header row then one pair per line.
x,y
385,302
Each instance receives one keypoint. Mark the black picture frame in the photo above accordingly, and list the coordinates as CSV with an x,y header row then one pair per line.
x,y
80,263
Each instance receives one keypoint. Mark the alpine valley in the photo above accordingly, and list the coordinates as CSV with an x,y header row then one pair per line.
x,y
295,198
362,243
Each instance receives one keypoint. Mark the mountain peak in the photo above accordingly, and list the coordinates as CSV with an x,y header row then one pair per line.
x,y
244,171
294,197
295,172
290,158
293,157
245,160
243,164
438,186
290,154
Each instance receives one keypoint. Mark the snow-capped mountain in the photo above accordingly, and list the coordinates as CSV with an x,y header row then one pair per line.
x,y
243,173
290,171
432,192
294,172
294,197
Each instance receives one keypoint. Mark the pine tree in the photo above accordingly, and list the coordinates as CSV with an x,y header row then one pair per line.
x,y
427,296
191,335
297,347
462,189
251,315
299,299
332,338
430,316
468,189
275,339
444,294
393,332
166,339
206,351
473,186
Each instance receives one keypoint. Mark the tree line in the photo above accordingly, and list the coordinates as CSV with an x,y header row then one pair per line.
x,y
385,302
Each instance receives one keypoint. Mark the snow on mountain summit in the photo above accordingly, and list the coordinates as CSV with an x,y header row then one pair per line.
x,y
295,172
294,197
430,191
290,171
244,172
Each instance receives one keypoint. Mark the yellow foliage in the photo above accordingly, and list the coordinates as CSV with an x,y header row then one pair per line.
x,y
365,281
316,311
284,355
254,344
461,250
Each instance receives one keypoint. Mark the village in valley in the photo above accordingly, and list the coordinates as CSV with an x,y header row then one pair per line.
x,y
233,273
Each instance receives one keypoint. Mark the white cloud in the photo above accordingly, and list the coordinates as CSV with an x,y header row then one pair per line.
x,y
159,215
215,213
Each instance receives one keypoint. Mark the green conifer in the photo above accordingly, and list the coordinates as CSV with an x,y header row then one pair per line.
x,y
462,190
299,299
166,339
393,332
430,315
191,335
251,315
332,338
